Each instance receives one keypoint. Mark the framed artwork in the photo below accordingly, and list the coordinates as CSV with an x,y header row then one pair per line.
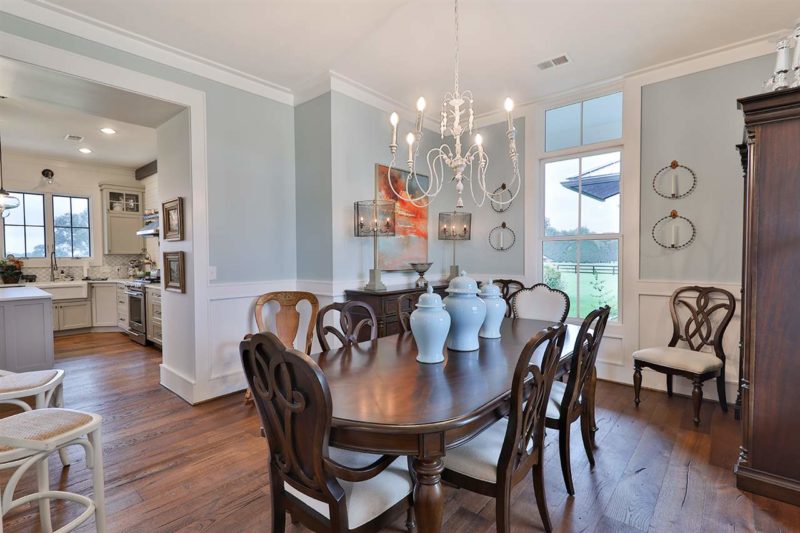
x,y
174,272
410,243
172,219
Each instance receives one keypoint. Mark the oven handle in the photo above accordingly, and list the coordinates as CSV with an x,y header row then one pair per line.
x,y
131,293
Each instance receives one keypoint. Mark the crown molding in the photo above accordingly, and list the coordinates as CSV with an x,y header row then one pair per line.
x,y
59,18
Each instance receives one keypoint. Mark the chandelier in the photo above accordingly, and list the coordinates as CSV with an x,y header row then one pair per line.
x,y
457,118
7,202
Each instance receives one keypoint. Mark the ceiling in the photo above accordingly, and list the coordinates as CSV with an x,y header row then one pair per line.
x,y
404,48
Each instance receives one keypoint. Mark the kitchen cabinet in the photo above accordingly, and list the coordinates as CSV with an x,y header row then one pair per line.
x,y
122,307
104,305
72,314
122,218
153,314
26,329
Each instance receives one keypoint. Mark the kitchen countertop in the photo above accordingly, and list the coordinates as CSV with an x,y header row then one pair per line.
x,y
10,294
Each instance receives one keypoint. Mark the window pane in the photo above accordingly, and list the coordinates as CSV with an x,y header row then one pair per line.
x,y
602,118
61,214
562,127
34,210
559,268
16,215
561,197
63,242
15,240
35,241
80,212
80,242
599,276
600,189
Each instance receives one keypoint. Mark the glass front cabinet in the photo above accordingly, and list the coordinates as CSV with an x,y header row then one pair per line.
x,y
122,218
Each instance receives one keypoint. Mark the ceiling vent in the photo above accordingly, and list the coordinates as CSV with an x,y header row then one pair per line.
x,y
73,138
563,59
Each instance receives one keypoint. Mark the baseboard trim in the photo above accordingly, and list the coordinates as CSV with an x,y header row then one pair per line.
x,y
769,485
177,383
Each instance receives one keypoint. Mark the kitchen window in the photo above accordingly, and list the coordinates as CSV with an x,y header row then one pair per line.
x,y
71,226
24,227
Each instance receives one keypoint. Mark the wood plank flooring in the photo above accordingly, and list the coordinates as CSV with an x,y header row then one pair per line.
x,y
171,467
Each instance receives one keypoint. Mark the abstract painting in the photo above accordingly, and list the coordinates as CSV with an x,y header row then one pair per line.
x,y
410,243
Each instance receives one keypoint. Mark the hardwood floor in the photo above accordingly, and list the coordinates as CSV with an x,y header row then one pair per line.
x,y
172,467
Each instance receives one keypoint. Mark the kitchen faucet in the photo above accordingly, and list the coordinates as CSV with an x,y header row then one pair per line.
x,y
53,264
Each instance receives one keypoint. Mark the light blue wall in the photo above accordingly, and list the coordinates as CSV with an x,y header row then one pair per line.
x,y
694,120
313,186
251,163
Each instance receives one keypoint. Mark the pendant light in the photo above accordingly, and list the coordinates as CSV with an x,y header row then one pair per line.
x,y
7,202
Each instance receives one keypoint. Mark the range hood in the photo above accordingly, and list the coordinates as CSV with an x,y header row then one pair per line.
x,y
151,224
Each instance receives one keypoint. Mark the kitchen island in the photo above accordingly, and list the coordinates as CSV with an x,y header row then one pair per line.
x,y
26,329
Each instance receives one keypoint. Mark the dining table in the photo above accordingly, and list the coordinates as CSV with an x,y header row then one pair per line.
x,y
385,402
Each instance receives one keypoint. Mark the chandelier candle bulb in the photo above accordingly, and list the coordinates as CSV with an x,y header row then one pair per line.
x,y
410,140
509,106
394,119
420,114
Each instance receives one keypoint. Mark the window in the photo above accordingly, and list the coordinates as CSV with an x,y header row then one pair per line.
x,y
23,228
71,226
580,249
588,122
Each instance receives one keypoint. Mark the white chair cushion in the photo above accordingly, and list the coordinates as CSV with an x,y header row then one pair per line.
x,y
478,457
539,304
679,359
26,380
41,426
365,500
556,399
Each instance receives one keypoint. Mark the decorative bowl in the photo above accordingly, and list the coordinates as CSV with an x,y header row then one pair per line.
x,y
421,268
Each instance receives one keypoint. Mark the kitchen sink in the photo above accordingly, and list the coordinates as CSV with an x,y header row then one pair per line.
x,y
64,290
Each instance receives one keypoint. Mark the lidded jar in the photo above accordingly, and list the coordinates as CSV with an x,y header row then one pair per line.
x,y
467,312
430,325
495,311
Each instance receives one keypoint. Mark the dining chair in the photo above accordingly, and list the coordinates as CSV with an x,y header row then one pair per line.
x,y
574,399
508,288
502,455
287,319
405,306
700,316
351,321
540,302
322,487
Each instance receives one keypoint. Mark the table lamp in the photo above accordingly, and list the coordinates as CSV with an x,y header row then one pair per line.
x,y
374,218
455,226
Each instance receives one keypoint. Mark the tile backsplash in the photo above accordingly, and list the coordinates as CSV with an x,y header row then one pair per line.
x,y
114,266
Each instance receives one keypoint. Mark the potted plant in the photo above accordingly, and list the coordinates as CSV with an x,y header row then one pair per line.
x,y
10,269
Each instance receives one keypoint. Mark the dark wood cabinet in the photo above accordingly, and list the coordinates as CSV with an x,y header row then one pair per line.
x,y
769,459
384,303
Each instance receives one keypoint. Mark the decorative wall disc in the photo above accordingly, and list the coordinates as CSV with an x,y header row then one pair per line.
x,y
504,195
501,238
675,178
673,231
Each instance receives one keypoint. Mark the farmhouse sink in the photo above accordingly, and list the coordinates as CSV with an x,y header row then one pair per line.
x,y
64,290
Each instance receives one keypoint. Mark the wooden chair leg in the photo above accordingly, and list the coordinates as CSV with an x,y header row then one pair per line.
x,y
278,510
723,401
669,385
637,382
248,397
563,451
410,522
586,435
503,510
697,399
541,499
591,403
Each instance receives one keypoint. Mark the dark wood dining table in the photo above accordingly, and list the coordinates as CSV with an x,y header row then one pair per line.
x,y
385,402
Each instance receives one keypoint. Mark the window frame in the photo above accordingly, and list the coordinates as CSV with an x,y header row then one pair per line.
x,y
71,227
579,152
582,146
25,225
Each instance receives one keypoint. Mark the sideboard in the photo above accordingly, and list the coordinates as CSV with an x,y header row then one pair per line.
x,y
384,303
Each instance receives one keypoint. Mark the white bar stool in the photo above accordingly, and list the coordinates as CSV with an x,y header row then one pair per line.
x,y
27,439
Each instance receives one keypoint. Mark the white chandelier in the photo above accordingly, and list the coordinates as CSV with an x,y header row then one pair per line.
x,y
470,166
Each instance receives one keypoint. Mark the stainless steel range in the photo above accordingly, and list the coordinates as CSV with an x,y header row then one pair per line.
x,y
136,310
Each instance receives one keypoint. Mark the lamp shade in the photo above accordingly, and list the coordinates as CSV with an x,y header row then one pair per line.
x,y
455,226
373,218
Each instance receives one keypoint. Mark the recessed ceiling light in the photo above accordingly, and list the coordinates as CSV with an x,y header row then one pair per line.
x,y
85,150
108,131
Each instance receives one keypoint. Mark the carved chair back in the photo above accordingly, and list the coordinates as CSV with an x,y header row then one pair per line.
x,y
405,306
541,302
287,319
530,392
709,311
350,323
508,288
584,358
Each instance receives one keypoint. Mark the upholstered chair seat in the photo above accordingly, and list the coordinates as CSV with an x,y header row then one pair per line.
x,y
26,380
368,499
679,359
478,458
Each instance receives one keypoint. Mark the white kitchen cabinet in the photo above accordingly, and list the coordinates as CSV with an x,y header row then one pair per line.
x,y
122,217
122,307
104,305
153,314
72,314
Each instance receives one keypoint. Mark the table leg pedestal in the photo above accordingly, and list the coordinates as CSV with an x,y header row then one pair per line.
x,y
428,494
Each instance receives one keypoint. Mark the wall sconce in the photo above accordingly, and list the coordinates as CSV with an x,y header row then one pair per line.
x,y
455,226
48,175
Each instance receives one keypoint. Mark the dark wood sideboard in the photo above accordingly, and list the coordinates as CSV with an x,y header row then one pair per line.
x,y
384,303
769,459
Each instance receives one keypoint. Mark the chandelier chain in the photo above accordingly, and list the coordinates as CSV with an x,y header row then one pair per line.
x,y
457,48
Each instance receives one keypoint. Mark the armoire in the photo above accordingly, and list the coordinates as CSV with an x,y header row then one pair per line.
x,y
769,458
